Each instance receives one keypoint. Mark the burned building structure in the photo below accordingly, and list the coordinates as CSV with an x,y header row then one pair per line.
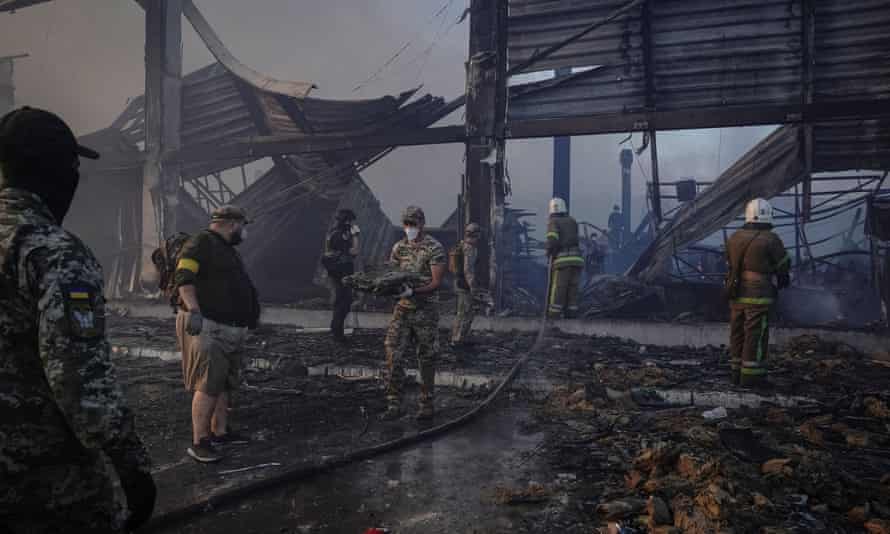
x,y
818,69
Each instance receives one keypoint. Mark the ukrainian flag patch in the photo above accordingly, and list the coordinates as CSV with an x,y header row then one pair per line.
x,y
84,311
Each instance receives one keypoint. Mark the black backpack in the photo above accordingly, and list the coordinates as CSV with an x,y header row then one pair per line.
x,y
165,259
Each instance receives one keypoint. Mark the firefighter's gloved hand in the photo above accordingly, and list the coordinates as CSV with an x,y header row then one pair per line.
x,y
140,490
355,230
407,292
784,280
194,323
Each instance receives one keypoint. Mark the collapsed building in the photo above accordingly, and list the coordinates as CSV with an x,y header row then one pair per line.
x,y
292,204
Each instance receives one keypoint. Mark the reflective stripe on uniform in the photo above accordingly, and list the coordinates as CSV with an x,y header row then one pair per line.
x,y
569,260
786,259
760,348
754,300
188,265
552,235
753,371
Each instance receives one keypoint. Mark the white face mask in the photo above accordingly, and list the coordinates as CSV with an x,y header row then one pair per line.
x,y
412,232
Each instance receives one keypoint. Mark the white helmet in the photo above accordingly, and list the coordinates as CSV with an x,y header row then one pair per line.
x,y
558,205
759,211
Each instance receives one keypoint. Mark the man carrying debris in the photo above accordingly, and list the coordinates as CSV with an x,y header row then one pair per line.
x,y
341,249
415,319
60,404
566,262
217,305
755,255
465,282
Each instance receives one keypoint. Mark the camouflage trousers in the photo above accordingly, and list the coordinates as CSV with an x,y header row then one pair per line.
x,y
417,328
466,312
60,498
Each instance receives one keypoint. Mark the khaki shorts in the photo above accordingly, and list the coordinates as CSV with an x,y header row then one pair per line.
x,y
211,361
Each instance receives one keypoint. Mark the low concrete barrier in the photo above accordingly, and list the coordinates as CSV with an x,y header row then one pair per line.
x,y
643,332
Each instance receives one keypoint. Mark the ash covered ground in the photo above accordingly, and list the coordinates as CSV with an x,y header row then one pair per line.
x,y
597,433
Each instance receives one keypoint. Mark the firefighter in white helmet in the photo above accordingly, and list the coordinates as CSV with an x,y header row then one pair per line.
x,y
566,261
758,267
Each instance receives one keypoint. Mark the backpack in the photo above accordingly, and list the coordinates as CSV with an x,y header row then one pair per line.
x,y
456,259
165,259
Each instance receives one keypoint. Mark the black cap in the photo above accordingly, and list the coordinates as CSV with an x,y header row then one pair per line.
x,y
31,133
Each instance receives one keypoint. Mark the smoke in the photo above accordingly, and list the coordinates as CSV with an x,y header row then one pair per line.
x,y
87,60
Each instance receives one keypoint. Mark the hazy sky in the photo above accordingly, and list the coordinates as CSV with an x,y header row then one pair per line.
x,y
87,59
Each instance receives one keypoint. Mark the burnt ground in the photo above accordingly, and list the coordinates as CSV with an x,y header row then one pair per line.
x,y
596,433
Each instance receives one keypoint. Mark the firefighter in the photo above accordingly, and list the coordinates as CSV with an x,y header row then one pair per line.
x,y
566,262
758,261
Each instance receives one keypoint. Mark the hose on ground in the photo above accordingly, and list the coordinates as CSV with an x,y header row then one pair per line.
x,y
295,474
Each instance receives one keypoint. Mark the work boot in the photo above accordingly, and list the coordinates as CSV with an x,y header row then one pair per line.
x,y
204,452
756,382
736,376
393,411
426,411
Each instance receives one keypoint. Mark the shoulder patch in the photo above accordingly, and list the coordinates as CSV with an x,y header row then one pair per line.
x,y
84,311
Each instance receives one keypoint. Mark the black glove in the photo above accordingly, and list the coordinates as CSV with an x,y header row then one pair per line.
x,y
141,492
784,280
194,323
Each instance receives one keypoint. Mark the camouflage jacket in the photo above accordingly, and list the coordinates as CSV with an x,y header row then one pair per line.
x,y
418,257
471,259
60,404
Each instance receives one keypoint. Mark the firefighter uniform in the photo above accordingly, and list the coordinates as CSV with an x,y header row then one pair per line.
x,y
566,263
759,255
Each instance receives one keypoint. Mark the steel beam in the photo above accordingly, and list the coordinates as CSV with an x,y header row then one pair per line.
x,y
710,117
481,121
163,105
281,145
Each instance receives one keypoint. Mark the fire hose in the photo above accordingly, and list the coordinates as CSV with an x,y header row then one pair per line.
x,y
303,472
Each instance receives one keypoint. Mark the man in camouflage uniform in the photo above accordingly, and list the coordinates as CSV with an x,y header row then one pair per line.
x,y
466,285
61,409
415,319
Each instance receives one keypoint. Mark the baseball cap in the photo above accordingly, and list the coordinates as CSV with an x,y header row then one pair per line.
x,y
31,133
229,213
413,215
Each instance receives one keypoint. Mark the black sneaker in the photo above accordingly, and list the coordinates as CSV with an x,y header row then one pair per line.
x,y
204,452
229,438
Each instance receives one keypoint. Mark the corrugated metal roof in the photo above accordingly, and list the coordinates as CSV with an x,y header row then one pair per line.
x,y
712,53
13,5
217,105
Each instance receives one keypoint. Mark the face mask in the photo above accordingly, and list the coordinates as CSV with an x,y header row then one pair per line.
x,y
239,236
412,232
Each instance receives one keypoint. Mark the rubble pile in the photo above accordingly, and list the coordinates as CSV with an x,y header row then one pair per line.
x,y
810,456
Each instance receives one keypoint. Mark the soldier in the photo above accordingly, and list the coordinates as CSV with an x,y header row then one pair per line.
x,y
566,262
60,403
755,255
218,304
416,315
466,284
341,249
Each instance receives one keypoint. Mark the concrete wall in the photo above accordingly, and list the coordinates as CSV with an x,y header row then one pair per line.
x,y
643,332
